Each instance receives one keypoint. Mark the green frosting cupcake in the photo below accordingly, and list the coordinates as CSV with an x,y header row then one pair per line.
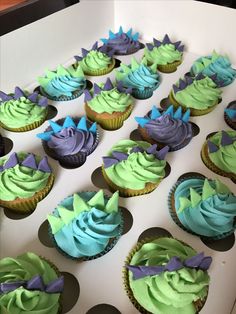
x,y
163,54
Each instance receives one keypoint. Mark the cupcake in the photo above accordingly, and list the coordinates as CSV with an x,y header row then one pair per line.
x,y
108,105
142,79
97,61
70,140
63,84
230,115
122,43
22,111
200,95
30,284
164,275
165,54
203,207
219,153
215,64
166,127
86,225
134,168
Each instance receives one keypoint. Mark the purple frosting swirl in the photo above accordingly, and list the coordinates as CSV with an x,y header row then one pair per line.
x,y
170,131
123,44
70,141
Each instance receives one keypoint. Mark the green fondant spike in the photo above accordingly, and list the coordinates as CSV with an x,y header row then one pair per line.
x,y
144,61
184,202
66,215
134,64
61,71
50,74
195,197
79,205
125,68
206,61
207,190
112,204
43,81
97,200
78,72
153,67
221,187
55,223
214,55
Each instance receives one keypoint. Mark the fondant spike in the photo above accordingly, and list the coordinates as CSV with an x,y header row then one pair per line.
x,y
82,125
45,136
35,283
84,52
212,147
194,197
161,154
79,205
137,149
214,77
33,97
69,122
121,31
155,113
166,40
176,44
109,161
108,85
104,40
141,121
97,200
129,33
55,286
181,48
5,97
134,64
44,165
119,155
87,95
93,128
18,93
30,162
182,84
184,202
128,90
78,58
96,89
43,102
178,113
156,42
135,36
55,223
170,110
111,35
66,215
189,80
110,53
55,127
112,204
95,46
207,190
221,187
150,47
226,139
186,116
11,162
152,149
206,61
200,76
176,89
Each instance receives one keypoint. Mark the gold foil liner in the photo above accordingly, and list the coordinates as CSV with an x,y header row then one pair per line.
x,y
28,205
101,71
170,67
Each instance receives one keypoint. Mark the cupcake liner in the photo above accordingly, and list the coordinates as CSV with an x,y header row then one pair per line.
x,y
100,71
112,242
144,94
209,164
149,187
170,67
193,111
74,95
28,205
109,121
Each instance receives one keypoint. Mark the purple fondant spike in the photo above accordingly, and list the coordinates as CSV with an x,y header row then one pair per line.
x,y
150,47
174,264
176,44
1,168
55,286
189,80
120,87
109,161
143,271
137,149
119,155
200,76
103,49
10,286
161,154
214,77
152,149
156,42
78,58
44,165
226,139
97,90
182,84
36,283
110,53
5,97
95,46
43,102
206,263
195,261
29,162
11,162
181,48
33,97
84,52
18,93
166,40
87,95
108,85
212,147
176,89
128,90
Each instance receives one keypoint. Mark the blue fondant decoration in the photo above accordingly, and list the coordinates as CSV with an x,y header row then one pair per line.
x,y
155,113
111,35
55,127
141,121
93,128
82,124
178,113
170,111
186,116
45,136
69,122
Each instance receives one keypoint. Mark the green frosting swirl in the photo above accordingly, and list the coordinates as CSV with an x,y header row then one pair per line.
x,y
170,292
17,113
138,169
110,101
21,181
22,301
201,94
225,157
163,54
95,60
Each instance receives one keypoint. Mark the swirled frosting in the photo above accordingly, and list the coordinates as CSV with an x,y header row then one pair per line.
x,y
170,292
215,64
21,300
84,223
201,94
137,169
163,54
95,60
207,208
21,181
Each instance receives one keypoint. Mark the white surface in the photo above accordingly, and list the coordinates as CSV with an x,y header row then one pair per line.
x,y
101,280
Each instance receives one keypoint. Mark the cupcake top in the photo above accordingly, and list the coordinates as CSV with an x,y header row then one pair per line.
x,y
29,284
138,75
132,164
198,93
84,224
205,207
22,108
222,150
108,98
167,276
215,64
167,127
63,82
122,43
22,175
231,112
96,58
163,52
69,138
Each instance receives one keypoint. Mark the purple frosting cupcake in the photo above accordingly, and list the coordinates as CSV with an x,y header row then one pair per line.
x,y
70,141
166,128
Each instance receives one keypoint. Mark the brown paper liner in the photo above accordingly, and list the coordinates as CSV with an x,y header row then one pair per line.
x,y
170,67
108,121
149,187
28,205
209,164
193,111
